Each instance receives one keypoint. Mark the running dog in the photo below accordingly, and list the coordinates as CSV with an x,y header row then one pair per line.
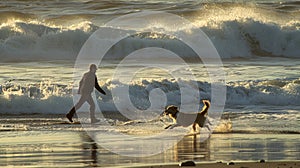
x,y
184,119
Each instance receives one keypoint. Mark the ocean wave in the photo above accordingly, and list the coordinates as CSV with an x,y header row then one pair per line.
x,y
7,16
237,30
22,41
280,92
47,97
252,38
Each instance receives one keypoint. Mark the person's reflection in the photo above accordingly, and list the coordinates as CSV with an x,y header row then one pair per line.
x,y
195,142
94,153
90,145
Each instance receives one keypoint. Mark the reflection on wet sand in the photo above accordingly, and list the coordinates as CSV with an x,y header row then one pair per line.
x,y
190,148
90,147
77,149
220,147
187,149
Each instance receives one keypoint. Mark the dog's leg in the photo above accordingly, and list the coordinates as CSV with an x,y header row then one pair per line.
x,y
172,126
168,126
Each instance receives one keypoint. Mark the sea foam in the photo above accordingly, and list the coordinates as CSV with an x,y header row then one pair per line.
x,y
58,99
245,38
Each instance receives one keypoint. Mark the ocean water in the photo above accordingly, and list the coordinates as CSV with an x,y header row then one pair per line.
x,y
258,42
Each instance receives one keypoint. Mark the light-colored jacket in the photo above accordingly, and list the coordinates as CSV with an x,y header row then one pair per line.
x,y
87,84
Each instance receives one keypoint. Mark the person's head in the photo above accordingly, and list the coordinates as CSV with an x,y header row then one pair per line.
x,y
93,68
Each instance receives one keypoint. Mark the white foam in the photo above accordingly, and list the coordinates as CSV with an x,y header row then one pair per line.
x,y
43,98
245,37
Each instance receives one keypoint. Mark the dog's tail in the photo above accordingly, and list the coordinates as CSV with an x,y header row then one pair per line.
x,y
206,103
206,106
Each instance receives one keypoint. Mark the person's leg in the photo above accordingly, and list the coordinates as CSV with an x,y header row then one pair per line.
x,y
92,109
71,113
82,99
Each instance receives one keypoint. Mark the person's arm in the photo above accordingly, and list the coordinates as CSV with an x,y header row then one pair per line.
x,y
98,87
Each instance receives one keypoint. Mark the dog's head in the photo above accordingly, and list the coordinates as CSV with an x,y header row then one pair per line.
x,y
170,110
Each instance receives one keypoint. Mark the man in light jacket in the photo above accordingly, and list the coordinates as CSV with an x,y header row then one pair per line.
x,y
86,87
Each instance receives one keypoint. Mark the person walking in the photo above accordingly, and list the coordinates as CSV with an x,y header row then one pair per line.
x,y
86,87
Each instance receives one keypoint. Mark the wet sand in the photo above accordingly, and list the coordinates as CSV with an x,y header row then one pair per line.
x,y
273,164
40,144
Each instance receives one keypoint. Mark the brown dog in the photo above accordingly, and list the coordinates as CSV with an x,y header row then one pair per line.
x,y
184,119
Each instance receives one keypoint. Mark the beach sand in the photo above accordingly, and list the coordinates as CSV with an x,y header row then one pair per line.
x,y
48,141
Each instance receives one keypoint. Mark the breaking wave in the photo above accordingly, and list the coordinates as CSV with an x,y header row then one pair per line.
x,y
47,97
236,30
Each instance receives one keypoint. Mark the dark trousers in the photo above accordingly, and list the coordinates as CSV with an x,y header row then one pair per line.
x,y
84,98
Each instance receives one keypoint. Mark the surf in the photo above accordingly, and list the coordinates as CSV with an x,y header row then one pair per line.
x,y
234,32
47,97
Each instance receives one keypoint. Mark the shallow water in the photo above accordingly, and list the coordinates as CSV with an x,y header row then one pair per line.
x,y
76,149
50,141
